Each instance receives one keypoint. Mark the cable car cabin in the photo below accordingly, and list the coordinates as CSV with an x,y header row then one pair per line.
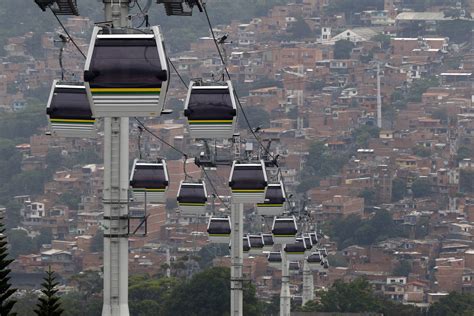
x,y
314,238
296,250
192,198
69,112
246,246
294,267
308,243
274,259
275,198
324,253
248,182
126,72
211,111
219,230
325,264
267,242
256,244
284,230
149,181
315,261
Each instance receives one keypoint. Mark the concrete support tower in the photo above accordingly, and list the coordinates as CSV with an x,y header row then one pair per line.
x,y
237,254
115,199
285,297
308,283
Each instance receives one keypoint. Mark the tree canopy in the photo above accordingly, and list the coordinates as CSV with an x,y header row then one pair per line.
x,y
343,49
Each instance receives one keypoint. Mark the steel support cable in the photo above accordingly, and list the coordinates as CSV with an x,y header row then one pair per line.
x,y
185,156
68,35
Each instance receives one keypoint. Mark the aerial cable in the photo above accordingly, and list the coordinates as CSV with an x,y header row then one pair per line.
x,y
179,75
228,76
68,35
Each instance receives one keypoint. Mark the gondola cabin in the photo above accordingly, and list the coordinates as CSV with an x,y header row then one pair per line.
x,y
192,198
69,112
126,72
256,244
219,230
314,261
267,242
308,244
246,246
284,230
248,182
294,267
314,238
296,250
275,198
211,111
274,259
149,181
324,253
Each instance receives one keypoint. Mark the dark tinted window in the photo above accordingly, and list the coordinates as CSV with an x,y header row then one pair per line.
x,y
129,62
274,256
268,240
219,227
192,194
211,104
296,247
284,228
256,242
150,177
70,103
274,195
248,177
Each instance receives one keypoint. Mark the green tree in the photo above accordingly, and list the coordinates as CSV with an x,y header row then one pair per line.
x,y
422,151
49,303
13,216
208,293
419,87
147,295
363,134
383,39
97,244
71,199
399,189
210,251
455,304
421,187
343,49
402,269
463,153
466,181
369,196
20,242
6,291
300,29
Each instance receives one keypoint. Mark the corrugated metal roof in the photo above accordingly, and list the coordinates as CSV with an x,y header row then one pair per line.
x,y
421,16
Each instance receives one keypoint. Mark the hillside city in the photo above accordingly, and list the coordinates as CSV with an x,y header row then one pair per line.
x,y
392,205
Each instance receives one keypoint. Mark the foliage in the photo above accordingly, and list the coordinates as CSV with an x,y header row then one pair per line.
x,y
146,294
299,29
456,30
352,230
455,304
383,39
363,134
97,244
421,187
369,196
257,117
399,189
76,304
208,293
23,124
402,269
422,151
463,153
22,244
71,199
210,251
466,181
6,303
13,216
419,87
321,163
49,303
357,297
343,49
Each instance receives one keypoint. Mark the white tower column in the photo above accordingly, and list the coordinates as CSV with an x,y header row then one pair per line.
x,y
285,297
115,195
308,283
237,254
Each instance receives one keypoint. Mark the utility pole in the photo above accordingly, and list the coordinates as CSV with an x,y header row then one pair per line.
x,y
115,199
308,283
285,297
237,254
379,98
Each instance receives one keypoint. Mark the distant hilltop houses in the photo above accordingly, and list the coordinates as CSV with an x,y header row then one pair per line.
x,y
370,113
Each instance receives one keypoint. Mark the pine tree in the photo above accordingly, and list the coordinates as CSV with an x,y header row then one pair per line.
x,y
49,304
6,304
